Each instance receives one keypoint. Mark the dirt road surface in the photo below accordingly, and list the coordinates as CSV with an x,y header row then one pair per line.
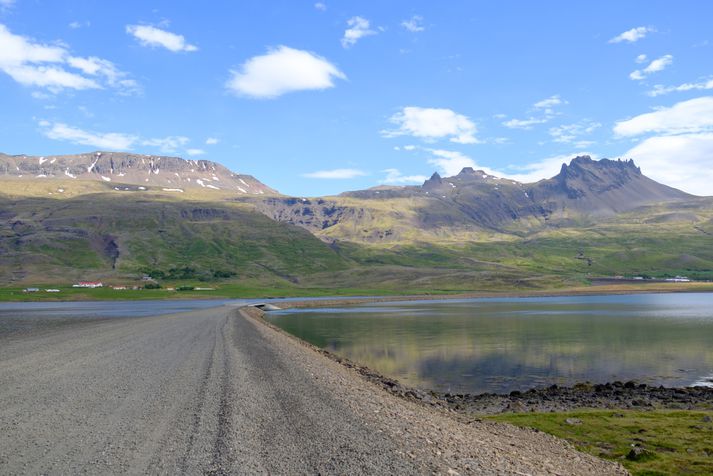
x,y
218,392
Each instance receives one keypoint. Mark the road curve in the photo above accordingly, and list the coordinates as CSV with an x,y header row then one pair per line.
x,y
218,392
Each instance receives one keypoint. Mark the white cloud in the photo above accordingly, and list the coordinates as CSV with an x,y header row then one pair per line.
x,y
542,169
450,162
335,174
679,149
544,112
569,133
636,75
153,37
525,123
394,176
633,35
659,64
211,141
112,140
549,103
358,28
682,161
413,24
431,124
283,70
6,4
320,6
694,115
107,140
168,145
660,89
641,58
45,66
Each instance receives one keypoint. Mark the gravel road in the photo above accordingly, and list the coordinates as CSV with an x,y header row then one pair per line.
x,y
216,391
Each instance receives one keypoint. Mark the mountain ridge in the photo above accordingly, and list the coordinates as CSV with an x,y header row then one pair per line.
x,y
169,173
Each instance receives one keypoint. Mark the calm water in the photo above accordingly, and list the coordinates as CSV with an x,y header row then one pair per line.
x,y
499,345
27,317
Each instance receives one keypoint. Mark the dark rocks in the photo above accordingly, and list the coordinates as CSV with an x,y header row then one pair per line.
x,y
639,453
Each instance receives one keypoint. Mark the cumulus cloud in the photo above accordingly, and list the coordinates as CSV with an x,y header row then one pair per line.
x,y
414,24
431,124
75,135
571,133
549,103
660,89
542,112
112,140
395,177
541,169
167,145
155,37
53,68
283,70
211,141
633,35
641,58
694,115
677,148
335,174
320,6
683,161
449,163
659,64
525,123
358,28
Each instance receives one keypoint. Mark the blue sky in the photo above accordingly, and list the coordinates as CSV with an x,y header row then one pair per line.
x,y
315,98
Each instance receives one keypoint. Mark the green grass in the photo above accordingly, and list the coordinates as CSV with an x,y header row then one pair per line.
x,y
680,442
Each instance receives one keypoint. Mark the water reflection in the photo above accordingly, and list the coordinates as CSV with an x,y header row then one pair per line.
x,y
499,345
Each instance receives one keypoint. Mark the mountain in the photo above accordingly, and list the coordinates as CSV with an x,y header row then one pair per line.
x,y
119,169
114,216
475,203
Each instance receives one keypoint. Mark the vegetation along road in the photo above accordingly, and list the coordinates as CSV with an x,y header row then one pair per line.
x,y
217,391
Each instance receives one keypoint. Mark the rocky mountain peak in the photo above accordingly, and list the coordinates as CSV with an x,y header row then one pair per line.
x,y
433,182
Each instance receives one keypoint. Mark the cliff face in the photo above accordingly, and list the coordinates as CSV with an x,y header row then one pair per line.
x,y
121,168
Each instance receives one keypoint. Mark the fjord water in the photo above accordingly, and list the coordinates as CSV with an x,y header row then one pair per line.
x,y
504,344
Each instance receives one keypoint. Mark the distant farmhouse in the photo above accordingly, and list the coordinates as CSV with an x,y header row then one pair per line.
x,y
88,284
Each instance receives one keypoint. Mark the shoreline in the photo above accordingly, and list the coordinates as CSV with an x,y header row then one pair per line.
x,y
608,289
616,395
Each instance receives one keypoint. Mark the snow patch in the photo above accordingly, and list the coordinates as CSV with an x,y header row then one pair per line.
x,y
91,167
142,188
243,182
66,172
213,187
42,160
200,182
106,179
173,190
41,176
242,190
54,159
60,190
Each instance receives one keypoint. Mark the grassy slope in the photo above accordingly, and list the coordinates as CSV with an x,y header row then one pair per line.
x,y
60,238
680,442
49,240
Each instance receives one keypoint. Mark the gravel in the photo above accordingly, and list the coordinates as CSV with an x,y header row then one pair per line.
x,y
217,391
